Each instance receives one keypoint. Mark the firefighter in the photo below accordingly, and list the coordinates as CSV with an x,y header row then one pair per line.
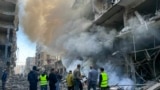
x,y
103,80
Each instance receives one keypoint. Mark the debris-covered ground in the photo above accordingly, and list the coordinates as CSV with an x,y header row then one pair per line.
x,y
18,82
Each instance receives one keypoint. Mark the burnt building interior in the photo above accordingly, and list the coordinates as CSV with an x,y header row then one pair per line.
x,y
143,54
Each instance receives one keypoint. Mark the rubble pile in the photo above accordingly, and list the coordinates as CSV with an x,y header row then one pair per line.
x,y
17,82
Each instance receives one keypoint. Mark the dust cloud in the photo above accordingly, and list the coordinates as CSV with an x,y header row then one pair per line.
x,y
46,21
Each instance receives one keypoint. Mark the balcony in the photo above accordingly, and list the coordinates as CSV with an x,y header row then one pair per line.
x,y
11,1
7,13
6,18
7,6
4,24
113,15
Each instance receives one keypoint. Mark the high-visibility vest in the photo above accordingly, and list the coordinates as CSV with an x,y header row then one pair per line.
x,y
104,82
43,80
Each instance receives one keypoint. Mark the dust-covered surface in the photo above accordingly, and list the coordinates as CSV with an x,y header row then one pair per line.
x,y
17,82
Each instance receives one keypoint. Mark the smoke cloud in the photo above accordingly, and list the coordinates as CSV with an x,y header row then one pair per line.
x,y
62,26
65,27
43,20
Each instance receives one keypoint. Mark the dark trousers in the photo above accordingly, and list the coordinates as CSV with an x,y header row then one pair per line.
x,y
44,87
33,86
104,88
71,88
3,85
52,87
78,85
92,85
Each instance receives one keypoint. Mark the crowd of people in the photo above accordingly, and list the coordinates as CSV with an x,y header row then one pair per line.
x,y
43,78
73,79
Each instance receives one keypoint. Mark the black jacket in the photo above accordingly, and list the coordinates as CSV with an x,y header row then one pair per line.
x,y
52,79
59,77
4,76
33,77
100,80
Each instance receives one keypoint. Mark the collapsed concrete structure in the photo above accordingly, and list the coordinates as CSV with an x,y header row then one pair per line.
x,y
142,55
46,61
8,28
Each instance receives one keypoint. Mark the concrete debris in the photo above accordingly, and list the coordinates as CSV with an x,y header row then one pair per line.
x,y
17,82
155,87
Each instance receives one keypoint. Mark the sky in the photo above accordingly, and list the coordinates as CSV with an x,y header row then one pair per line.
x,y
25,47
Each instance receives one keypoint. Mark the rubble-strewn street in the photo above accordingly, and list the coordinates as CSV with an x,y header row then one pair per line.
x,y
18,82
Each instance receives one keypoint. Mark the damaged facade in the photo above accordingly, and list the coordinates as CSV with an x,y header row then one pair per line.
x,y
141,58
46,61
30,62
8,29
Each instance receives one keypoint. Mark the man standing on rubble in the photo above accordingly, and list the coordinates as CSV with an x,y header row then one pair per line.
x,y
43,80
77,78
4,79
69,80
103,80
33,78
92,78
52,80
59,77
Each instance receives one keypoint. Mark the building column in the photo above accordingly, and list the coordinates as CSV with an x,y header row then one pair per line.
x,y
125,17
7,44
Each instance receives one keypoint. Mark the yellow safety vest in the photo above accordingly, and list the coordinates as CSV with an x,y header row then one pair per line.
x,y
43,80
104,82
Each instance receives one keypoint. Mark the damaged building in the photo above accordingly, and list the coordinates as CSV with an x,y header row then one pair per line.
x,y
133,48
8,29
142,53
46,61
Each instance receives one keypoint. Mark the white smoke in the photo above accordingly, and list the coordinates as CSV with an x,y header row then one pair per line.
x,y
99,39
89,45
71,65
83,44
127,83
